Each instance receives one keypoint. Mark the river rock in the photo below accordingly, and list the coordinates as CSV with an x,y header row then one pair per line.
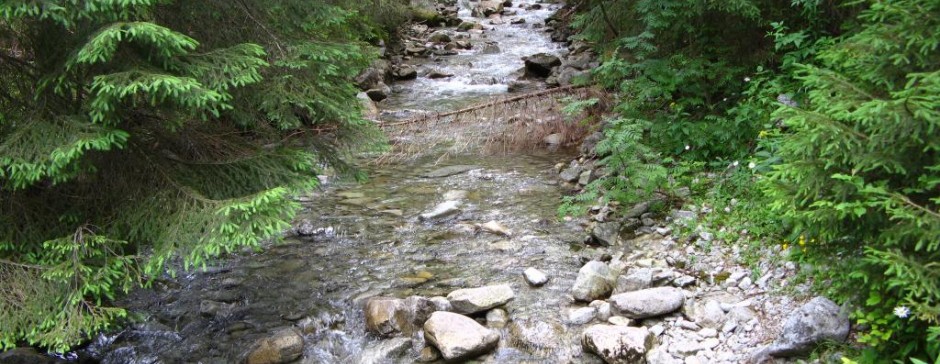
x,y
439,36
710,315
816,321
541,64
468,25
441,303
25,356
284,346
458,337
379,92
442,210
581,315
494,227
435,74
428,354
618,344
594,282
387,351
449,171
572,173
497,318
606,233
374,75
406,72
535,277
648,302
635,280
486,8
473,300
382,315
369,110
603,309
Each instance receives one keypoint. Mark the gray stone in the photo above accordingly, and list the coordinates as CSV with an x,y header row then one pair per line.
x,y
572,173
442,210
473,300
620,321
635,280
606,233
449,171
585,177
387,351
211,308
710,315
439,37
553,139
380,92
618,344
440,303
541,64
497,318
436,74
284,346
659,355
581,315
816,321
648,302
535,277
459,337
406,73
594,282
603,309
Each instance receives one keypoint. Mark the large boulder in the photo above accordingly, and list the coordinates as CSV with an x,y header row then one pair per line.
x,y
458,337
473,300
648,302
284,346
595,281
618,344
816,321
541,64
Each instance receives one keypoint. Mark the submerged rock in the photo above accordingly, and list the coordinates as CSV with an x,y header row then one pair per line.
x,y
648,302
443,209
459,337
284,346
449,171
473,300
594,282
387,351
494,227
618,344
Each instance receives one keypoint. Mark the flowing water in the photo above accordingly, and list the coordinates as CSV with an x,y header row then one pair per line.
x,y
367,240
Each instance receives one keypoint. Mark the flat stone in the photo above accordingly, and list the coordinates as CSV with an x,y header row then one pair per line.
x,y
473,300
449,171
648,302
284,346
581,316
442,210
459,337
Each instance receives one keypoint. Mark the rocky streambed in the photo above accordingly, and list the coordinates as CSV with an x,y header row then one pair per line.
x,y
466,259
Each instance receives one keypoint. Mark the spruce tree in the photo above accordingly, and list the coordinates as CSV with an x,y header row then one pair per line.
x,y
133,132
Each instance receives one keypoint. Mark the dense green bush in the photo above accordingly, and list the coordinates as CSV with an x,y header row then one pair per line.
x,y
861,171
133,132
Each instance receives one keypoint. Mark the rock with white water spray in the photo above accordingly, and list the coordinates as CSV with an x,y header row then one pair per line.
x,y
386,351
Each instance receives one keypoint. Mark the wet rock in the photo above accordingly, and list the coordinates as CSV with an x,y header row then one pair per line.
x,y
494,227
468,25
535,277
606,234
283,346
406,72
387,351
439,74
379,93
541,64
618,344
382,315
462,44
415,50
486,8
473,300
441,303
428,354
489,48
581,316
459,337
211,308
594,282
648,302
536,335
25,356
635,280
572,173
449,171
442,210
416,310
439,36
497,318
816,321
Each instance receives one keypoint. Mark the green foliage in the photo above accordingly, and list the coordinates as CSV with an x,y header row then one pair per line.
x,y
861,171
125,143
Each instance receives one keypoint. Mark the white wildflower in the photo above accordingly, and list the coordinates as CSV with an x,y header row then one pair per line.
x,y
687,147
902,311
747,79
735,164
752,165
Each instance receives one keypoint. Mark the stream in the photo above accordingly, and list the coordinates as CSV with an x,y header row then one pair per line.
x,y
368,239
